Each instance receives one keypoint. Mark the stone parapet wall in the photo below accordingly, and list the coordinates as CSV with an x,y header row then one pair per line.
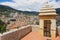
x,y
16,34
35,28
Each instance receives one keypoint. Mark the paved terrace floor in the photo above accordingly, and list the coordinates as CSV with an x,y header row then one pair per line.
x,y
36,36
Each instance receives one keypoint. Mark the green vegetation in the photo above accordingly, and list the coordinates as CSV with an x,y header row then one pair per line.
x,y
2,26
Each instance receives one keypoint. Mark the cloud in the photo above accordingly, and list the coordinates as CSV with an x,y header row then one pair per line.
x,y
30,5
55,4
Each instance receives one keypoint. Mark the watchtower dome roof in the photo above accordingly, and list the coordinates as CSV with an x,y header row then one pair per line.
x,y
47,10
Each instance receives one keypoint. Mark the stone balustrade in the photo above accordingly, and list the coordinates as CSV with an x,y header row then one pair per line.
x,y
16,34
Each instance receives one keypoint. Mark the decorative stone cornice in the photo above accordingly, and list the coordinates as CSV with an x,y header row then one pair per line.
x,y
47,10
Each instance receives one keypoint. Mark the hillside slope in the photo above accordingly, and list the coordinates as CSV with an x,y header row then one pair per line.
x,y
6,10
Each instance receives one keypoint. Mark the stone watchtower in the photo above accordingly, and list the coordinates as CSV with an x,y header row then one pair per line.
x,y
47,21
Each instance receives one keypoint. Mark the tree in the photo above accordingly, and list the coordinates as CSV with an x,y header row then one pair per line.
x,y
2,26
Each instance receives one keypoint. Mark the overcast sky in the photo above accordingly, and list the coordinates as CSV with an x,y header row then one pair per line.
x,y
29,5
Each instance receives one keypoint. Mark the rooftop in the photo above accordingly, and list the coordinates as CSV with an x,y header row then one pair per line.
x,y
36,36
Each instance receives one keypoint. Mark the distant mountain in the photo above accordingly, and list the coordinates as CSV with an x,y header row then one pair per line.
x,y
5,7
6,10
